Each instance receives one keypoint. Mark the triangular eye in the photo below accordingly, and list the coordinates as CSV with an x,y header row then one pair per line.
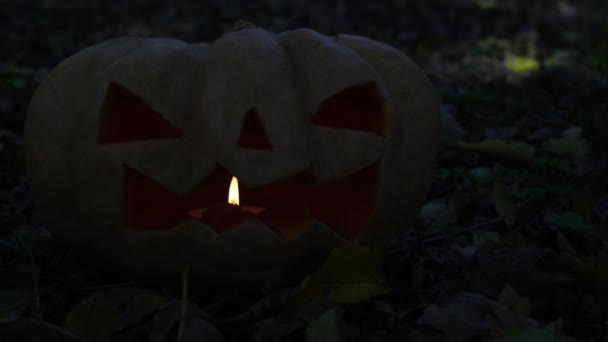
x,y
253,134
359,107
125,117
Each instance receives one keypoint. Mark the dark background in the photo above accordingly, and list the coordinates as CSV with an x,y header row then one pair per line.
x,y
530,73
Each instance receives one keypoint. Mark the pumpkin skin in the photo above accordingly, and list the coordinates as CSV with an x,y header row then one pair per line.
x,y
335,136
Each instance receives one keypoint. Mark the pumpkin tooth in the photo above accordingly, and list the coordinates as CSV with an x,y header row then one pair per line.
x,y
147,205
346,204
287,222
225,216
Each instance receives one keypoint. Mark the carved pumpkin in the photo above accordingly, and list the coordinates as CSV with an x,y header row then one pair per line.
x,y
131,146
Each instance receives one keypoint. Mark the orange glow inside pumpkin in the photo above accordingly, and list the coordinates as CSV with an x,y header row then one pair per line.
x,y
287,206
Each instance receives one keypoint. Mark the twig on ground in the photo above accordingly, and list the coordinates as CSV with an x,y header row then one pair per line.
x,y
476,226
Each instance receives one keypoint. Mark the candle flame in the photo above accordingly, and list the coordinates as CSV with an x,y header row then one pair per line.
x,y
233,191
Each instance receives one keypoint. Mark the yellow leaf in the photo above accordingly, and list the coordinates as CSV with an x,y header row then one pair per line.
x,y
511,310
351,274
355,293
486,4
326,328
502,203
522,64
501,148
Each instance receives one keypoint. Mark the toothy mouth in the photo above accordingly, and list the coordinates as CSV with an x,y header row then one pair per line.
x,y
286,206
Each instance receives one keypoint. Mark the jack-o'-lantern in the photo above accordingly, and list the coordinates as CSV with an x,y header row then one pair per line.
x,y
132,144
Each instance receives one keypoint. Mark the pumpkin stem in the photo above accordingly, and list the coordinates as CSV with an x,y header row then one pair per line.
x,y
240,25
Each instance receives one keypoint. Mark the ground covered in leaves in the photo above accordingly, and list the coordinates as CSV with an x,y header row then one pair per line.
x,y
511,245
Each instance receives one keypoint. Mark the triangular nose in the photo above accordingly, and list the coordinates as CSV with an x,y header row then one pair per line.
x,y
253,135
